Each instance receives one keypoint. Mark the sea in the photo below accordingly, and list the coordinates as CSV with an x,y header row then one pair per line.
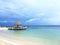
x,y
41,35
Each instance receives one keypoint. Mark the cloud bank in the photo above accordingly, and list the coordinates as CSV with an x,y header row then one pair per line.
x,y
39,12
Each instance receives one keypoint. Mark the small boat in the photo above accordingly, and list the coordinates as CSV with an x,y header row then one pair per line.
x,y
17,26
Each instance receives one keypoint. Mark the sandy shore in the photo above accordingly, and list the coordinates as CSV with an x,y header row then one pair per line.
x,y
6,41
11,41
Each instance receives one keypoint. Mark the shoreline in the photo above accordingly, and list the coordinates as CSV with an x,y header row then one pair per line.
x,y
10,41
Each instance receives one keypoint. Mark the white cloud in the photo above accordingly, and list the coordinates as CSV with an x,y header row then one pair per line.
x,y
52,20
58,13
31,20
48,9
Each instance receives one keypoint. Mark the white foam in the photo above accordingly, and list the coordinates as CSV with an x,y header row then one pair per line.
x,y
3,28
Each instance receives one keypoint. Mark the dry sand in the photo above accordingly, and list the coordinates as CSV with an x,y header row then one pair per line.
x,y
11,41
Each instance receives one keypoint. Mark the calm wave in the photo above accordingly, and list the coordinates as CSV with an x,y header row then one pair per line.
x,y
37,34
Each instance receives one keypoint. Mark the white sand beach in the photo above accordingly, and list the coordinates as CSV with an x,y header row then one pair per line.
x,y
11,41
6,41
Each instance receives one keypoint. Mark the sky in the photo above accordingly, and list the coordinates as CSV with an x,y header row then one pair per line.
x,y
30,12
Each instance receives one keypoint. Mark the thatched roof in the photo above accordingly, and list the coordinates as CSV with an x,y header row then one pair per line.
x,y
18,23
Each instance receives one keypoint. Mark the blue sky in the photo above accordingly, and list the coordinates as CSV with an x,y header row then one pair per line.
x,y
30,12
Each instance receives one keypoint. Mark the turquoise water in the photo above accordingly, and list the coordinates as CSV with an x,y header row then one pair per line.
x,y
37,34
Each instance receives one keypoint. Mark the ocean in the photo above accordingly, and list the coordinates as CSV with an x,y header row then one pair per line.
x,y
41,35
